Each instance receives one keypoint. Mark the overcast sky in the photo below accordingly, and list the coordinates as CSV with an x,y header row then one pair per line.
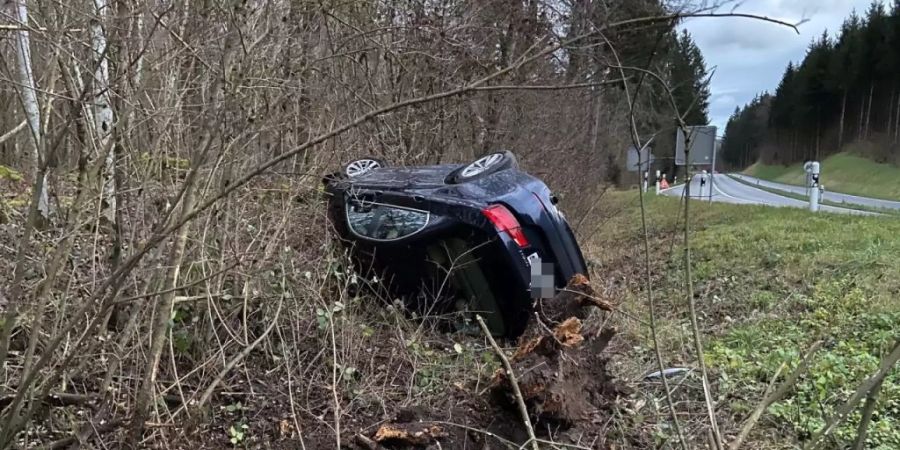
x,y
749,56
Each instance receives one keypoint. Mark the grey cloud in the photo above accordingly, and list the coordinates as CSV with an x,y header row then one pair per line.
x,y
750,56
729,35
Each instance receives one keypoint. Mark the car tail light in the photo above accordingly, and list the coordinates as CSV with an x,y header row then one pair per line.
x,y
506,222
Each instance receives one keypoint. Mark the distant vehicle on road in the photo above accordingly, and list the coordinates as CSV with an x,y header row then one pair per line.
x,y
483,236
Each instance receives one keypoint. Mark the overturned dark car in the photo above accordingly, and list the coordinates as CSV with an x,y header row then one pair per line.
x,y
482,237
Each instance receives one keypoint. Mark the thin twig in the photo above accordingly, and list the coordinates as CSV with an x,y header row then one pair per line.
x,y
887,363
11,133
648,276
240,356
73,439
692,306
868,409
334,380
506,442
776,395
520,401
546,87
178,288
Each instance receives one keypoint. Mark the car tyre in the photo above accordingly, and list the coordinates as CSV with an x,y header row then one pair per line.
x,y
482,167
362,166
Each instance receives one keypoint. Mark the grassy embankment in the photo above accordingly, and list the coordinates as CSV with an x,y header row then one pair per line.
x,y
769,282
844,172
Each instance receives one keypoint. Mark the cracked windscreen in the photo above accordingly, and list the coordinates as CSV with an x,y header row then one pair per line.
x,y
384,222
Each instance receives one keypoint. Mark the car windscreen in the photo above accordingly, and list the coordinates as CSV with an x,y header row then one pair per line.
x,y
382,222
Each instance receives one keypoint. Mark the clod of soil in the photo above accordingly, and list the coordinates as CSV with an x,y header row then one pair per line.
x,y
575,300
563,379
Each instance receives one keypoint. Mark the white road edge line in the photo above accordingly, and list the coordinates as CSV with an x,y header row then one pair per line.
x,y
826,208
729,196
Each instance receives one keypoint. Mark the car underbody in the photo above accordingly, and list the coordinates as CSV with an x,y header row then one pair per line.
x,y
450,238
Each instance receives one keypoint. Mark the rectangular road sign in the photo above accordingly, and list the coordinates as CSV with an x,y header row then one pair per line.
x,y
703,145
646,159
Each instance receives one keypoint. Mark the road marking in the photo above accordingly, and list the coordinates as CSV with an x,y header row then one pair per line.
x,y
723,193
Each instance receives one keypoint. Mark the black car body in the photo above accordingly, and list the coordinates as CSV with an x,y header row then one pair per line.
x,y
456,231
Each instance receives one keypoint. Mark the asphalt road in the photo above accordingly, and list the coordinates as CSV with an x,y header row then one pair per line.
x,y
835,197
732,191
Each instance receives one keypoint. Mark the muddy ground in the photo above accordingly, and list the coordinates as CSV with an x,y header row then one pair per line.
x,y
561,366
560,361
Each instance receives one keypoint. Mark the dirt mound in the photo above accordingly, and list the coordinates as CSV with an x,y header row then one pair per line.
x,y
564,381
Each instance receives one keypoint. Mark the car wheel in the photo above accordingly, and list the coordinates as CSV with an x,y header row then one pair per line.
x,y
362,166
482,167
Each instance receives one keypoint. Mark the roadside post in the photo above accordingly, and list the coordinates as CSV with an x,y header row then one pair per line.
x,y
703,177
646,179
657,182
712,171
812,170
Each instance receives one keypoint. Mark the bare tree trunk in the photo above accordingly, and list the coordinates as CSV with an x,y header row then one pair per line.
x,y
28,94
861,119
163,310
843,114
596,112
818,136
102,112
794,152
897,121
160,327
890,119
869,110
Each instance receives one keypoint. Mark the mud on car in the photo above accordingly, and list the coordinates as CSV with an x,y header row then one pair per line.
x,y
484,236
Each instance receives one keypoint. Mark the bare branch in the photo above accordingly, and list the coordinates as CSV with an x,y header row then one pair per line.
x,y
776,395
520,401
21,126
884,368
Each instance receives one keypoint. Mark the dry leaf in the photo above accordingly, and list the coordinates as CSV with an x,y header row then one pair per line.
x,y
569,332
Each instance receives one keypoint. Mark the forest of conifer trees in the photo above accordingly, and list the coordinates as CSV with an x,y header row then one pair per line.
x,y
845,90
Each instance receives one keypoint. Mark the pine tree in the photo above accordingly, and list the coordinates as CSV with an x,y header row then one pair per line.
x,y
845,88
689,80
843,74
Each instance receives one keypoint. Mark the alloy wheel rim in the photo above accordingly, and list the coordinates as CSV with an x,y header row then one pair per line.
x,y
482,164
361,166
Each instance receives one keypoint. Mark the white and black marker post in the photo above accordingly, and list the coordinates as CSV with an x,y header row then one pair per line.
x,y
702,183
712,172
657,182
646,179
812,169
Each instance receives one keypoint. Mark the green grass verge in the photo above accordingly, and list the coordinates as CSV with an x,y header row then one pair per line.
x,y
843,172
771,281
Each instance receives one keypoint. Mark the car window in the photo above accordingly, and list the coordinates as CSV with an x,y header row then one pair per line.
x,y
384,222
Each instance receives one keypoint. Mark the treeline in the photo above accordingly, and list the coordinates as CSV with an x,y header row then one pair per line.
x,y
846,89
